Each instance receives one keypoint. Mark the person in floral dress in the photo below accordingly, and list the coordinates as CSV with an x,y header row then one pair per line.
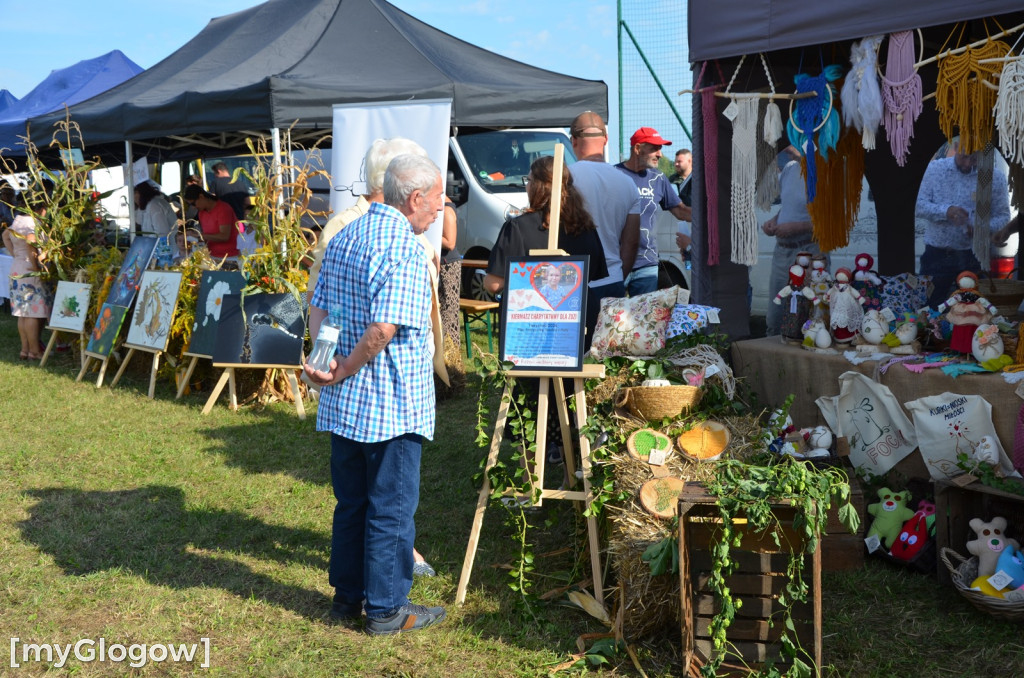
x,y
30,300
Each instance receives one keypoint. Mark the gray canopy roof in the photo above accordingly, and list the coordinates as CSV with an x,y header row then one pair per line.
x,y
725,28
287,62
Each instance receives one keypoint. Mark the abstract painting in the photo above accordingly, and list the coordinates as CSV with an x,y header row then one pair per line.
x,y
70,305
104,333
154,311
136,260
213,286
269,333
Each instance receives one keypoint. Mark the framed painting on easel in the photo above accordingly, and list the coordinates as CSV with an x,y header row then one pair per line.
x,y
151,324
70,307
543,312
213,287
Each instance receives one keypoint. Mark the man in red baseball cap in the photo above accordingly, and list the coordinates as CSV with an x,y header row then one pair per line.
x,y
655,190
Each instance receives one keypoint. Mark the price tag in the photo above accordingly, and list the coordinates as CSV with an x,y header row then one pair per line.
x,y
711,370
657,457
1000,580
888,315
713,316
731,111
1015,596
873,543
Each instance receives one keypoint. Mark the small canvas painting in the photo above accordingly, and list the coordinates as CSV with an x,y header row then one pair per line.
x,y
154,311
213,286
136,260
104,333
70,305
269,333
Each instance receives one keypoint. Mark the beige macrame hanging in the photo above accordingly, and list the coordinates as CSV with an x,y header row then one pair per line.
x,y
742,112
963,100
1009,108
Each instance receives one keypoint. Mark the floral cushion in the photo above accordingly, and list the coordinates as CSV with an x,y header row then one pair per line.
x,y
633,326
690,318
906,292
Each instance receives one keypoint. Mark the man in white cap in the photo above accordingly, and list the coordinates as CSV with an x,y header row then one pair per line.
x,y
655,190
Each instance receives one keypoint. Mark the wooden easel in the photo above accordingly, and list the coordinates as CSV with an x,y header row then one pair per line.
x,y
228,377
87,358
132,348
547,378
53,342
590,371
188,373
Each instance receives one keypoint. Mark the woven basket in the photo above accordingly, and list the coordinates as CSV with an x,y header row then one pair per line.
x,y
1005,295
654,403
964,573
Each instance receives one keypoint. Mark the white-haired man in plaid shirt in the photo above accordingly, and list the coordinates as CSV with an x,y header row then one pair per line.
x,y
378,398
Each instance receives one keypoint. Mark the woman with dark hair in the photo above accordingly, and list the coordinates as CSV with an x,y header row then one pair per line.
x,y
577,233
157,218
216,220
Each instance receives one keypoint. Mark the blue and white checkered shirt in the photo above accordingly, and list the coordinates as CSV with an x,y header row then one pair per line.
x,y
376,272
942,187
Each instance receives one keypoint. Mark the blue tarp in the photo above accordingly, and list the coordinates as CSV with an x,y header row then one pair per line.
x,y
65,86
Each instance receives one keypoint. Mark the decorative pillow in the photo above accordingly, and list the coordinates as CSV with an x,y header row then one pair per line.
x,y
633,326
906,292
690,318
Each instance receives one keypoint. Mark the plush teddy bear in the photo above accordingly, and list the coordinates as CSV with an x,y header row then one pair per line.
x,y
1011,561
890,514
989,545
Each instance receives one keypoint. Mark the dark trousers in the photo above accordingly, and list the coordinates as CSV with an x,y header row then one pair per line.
x,y
944,265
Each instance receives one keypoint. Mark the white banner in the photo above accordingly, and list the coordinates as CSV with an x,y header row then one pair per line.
x,y
356,126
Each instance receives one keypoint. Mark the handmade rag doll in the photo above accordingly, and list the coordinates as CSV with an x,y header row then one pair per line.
x,y
844,308
965,310
801,301
867,282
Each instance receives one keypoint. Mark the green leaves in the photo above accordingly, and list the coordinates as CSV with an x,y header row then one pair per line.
x,y
662,556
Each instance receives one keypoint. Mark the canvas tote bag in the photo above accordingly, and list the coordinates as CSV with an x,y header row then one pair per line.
x,y
950,424
868,415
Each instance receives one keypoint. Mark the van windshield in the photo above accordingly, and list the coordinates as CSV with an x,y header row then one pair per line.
x,y
501,160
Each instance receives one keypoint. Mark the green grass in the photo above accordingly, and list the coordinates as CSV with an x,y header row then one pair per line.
x,y
142,521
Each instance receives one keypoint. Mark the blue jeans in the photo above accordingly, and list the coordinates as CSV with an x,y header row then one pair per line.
x,y
642,280
377,486
944,265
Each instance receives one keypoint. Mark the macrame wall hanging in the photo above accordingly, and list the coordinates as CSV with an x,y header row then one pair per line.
x,y
981,243
861,96
813,121
901,94
709,119
963,99
1009,108
742,111
840,182
768,188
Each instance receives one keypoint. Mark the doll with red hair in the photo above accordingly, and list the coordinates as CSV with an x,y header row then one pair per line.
x,y
965,310
800,302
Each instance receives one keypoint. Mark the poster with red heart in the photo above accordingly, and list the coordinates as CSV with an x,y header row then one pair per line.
x,y
543,313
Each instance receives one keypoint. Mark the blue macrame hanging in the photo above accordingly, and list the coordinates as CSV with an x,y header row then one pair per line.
x,y
815,115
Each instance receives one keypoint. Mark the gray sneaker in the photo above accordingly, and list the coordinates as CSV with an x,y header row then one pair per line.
x,y
409,617
423,569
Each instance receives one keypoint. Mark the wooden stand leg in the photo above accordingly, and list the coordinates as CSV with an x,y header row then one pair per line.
x,y
49,347
83,344
120,370
686,594
595,552
568,454
484,496
295,394
227,374
86,360
188,375
103,371
232,394
541,455
152,375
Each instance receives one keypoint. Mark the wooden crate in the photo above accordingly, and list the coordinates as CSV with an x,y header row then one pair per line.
x,y
840,550
758,580
955,506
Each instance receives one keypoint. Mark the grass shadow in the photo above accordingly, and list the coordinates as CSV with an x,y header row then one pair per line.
x,y
150,532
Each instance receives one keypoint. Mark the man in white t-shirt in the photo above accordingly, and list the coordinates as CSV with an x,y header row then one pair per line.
x,y
613,203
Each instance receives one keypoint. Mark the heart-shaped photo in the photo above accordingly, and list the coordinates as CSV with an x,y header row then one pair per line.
x,y
557,283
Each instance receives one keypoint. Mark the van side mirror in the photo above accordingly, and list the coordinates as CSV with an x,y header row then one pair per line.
x,y
455,189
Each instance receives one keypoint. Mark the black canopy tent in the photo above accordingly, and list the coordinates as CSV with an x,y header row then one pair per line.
x,y
799,37
283,64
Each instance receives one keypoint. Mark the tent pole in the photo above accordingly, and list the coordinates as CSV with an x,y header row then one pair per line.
x,y
128,176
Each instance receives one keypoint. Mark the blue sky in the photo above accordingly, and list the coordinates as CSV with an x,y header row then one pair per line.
x,y
578,38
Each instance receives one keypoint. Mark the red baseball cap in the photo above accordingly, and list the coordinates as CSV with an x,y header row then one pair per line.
x,y
648,135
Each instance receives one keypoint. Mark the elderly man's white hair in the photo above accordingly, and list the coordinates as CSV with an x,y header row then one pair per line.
x,y
379,156
407,173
